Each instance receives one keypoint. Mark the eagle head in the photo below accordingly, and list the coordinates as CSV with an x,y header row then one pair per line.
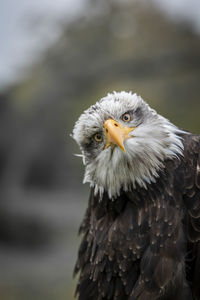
x,y
124,143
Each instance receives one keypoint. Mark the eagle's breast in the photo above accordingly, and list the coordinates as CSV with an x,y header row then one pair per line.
x,y
119,232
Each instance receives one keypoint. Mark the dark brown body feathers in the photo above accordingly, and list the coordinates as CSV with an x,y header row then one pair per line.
x,y
146,243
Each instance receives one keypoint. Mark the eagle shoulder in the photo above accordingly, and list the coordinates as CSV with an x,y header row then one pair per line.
x,y
190,169
191,198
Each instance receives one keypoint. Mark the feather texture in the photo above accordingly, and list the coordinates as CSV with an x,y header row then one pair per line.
x,y
141,231
136,247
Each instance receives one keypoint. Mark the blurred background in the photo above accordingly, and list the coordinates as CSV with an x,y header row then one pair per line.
x,y
56,59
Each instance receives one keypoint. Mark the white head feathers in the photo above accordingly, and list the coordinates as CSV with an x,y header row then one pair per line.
x,y
154,140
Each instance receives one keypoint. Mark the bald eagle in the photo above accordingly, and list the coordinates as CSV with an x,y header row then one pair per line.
x,y
141,230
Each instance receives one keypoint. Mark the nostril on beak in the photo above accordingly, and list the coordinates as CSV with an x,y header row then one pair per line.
x,y
116,124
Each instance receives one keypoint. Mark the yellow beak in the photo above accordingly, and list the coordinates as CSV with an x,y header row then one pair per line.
x,y
116,133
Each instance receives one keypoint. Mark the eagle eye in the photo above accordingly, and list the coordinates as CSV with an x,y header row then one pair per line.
x,y
126,117
98,137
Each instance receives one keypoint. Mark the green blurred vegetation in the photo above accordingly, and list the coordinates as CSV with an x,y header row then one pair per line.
x,y
114,46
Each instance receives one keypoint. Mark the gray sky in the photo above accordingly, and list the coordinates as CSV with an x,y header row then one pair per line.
x,y
23,36
182,10
21,42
